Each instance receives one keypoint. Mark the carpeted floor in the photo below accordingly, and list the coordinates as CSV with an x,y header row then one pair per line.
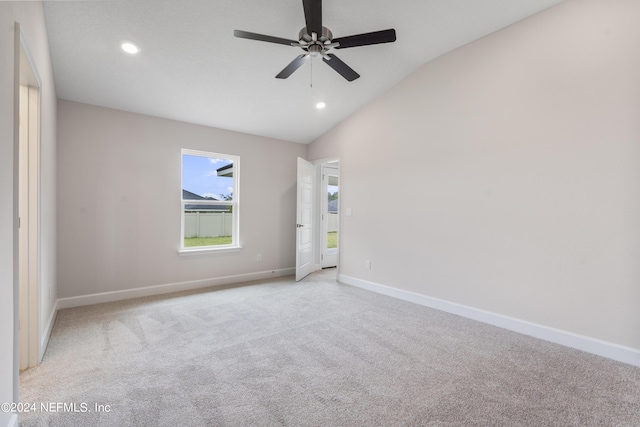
x,y
315,353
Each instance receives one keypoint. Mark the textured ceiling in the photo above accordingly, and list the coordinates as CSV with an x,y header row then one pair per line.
x,y
191,68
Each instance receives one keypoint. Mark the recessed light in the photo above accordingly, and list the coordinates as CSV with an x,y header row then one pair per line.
x,y
129,47
320,105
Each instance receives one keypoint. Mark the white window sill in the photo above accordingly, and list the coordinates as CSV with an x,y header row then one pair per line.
x,y
208,250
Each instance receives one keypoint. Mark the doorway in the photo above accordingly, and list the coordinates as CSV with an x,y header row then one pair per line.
x,y
317,216
28,209
330,217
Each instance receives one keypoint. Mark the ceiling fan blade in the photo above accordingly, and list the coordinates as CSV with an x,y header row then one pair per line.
x,y
376,37
263,38
294,65
343,69
313,16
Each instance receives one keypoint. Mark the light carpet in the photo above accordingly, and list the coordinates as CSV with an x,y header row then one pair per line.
x,y
314,353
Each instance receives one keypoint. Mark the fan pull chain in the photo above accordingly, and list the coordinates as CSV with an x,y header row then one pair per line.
x,y
311,82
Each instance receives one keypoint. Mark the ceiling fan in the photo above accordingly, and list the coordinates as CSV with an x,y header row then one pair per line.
x,y
316,40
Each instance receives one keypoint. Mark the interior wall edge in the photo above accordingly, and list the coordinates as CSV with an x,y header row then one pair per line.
x,y
48,328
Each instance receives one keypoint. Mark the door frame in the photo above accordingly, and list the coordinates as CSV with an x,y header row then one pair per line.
x,y
316,227
317,209
328,257
28,149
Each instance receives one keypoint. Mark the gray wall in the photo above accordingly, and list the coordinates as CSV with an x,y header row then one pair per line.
x,y
30,16
513,164
119,201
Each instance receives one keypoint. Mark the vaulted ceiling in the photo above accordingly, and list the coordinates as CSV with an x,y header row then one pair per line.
x,y
191,67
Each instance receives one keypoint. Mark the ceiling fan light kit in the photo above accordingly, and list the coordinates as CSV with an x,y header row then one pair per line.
x,y
316,40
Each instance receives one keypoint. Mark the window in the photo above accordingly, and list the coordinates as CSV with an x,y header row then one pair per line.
x,y
209,202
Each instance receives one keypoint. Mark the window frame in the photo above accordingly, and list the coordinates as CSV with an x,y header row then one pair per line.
x,y
235,203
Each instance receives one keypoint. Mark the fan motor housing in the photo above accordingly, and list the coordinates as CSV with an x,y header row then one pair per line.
x,y
322,38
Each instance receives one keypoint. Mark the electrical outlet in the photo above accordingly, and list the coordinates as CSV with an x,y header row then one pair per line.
x,y
259,257
367,265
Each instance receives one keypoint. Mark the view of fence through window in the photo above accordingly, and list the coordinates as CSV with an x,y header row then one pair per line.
x,y
209,199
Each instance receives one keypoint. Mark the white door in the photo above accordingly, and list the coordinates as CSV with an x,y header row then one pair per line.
x,y
329,215
304,216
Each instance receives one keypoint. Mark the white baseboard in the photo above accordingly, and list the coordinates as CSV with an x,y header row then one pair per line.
x,y
47,331
169,288
569,339
11,421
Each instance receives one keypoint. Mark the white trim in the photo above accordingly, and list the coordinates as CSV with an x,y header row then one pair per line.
x,y
47,331
169,288
208,250
569,339
13,420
